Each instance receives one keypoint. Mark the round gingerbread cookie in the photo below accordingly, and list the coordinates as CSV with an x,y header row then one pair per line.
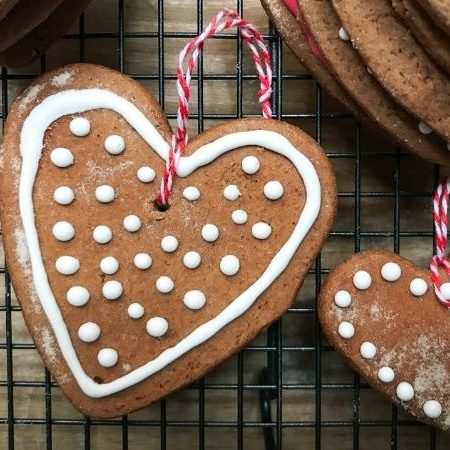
x,y
6,6
352,74
35,43
85,148
23,18
288,27
398,62
380,311
439,11
432,40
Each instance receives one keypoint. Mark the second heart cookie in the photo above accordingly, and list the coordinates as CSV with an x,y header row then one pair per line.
x,y
380,311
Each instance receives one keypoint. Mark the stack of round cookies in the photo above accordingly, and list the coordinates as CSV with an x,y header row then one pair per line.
x,y
387,61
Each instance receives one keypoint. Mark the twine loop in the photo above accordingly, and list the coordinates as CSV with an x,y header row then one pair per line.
x,y
440,259
226,19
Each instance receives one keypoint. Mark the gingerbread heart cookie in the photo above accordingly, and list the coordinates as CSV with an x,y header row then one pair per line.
x,y
127,303
381,312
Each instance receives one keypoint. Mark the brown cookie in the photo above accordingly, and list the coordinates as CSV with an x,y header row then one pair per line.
x,y
439,11
380,311
289,29
127,303
351,73
23,18
36,42
6,6
397,61
432,40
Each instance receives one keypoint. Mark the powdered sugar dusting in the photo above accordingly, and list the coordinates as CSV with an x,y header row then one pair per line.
x,y
31,94
99,174
62,79
22,254
375,312
48,343
431,377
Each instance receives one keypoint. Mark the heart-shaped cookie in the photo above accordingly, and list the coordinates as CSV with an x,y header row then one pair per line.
x,y
127,303
381,312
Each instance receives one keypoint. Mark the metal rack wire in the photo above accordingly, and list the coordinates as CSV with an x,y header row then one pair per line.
x,y
271,386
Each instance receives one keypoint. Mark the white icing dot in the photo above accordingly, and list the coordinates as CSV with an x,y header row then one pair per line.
x,y
105,193
261,230
346,330
210,232
231,192
112,290
109,265
157,326
343,34
194,299
146,174
192,260
114,144
239,216
386,374
62,157
342,299
63,231
229,265
164,284
132,223
67,265
368,350
143,261
80,126
404,391
135,310
102,234
191,193
169,244
78,296
445,290
63,195
432,409
107,357
250,165
89,332
418,287
362,280
273,190
424,128
391,271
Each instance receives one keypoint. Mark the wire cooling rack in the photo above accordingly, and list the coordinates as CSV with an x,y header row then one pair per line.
x,y
289,389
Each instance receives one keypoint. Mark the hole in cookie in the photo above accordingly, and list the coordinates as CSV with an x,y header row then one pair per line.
x,y
98,380
160,206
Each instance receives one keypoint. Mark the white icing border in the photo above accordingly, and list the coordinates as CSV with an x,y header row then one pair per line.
x,y
78,101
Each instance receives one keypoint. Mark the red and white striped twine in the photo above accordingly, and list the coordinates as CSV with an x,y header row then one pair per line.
x,y
440,208
227,18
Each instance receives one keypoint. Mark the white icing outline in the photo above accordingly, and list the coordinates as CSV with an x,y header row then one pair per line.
x,y
78,101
